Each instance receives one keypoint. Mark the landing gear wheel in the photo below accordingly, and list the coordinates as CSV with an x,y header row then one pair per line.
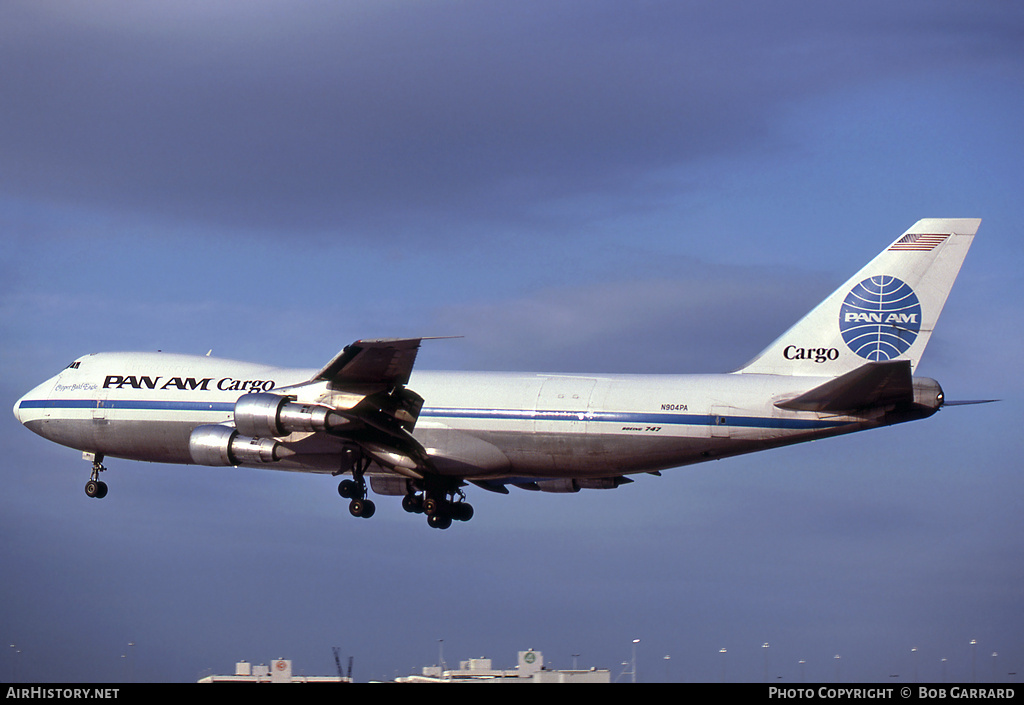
x,y
349,489
439,521
96,489
432,506
462,511
363,508
412,504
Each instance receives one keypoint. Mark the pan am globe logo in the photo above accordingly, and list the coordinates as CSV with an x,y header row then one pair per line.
x,y
880,318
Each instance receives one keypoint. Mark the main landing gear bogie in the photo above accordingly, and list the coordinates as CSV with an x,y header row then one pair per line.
x,y
355,492
438,501
440,510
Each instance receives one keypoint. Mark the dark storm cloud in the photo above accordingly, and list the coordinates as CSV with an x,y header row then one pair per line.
x,y
323,116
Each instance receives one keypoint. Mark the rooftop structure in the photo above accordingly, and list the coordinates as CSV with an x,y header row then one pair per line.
x,y
529,669
279,671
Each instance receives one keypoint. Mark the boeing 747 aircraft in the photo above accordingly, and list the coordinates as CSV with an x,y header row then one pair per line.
x,y
847,366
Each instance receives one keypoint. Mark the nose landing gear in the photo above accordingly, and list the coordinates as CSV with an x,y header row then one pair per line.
x,y
95,487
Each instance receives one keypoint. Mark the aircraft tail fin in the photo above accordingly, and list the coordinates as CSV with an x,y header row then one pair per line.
x,y
887,311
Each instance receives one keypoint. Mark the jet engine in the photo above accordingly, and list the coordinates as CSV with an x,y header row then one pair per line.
x,y
265,415
223,445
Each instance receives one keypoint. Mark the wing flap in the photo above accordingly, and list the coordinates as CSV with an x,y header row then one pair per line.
x,y
872,384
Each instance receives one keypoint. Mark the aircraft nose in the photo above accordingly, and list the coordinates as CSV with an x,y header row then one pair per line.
x,y
38,394
17,409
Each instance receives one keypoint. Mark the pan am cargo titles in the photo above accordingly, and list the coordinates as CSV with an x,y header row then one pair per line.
x,y
224,384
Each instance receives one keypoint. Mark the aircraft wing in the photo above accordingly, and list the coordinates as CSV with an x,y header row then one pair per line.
x,y
871,384
387,362
367,381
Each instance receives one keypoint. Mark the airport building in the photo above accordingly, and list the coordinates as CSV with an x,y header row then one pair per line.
x,y
279,671
529,669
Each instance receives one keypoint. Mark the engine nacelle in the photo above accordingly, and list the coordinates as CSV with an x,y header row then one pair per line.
x,y
223,445
560,485
602,483
265,415
928,393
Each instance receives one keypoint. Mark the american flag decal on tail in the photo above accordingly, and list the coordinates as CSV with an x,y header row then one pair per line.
x,y
916,242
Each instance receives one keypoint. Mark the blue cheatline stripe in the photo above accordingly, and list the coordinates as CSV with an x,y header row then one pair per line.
x,y
126,404
628,418
625,417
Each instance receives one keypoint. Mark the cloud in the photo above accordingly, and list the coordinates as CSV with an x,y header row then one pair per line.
x,y
702,319
335,117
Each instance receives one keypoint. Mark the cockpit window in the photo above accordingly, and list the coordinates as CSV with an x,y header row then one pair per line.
x,y
74,365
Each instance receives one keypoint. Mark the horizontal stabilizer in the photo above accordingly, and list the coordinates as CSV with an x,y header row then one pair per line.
x,y
871,384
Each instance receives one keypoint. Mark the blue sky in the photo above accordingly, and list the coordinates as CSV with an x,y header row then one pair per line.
x,y
572,186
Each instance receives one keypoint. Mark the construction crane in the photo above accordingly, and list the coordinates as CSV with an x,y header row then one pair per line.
x,y
337,663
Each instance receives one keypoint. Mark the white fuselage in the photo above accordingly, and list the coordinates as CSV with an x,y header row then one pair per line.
x,y
477,426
